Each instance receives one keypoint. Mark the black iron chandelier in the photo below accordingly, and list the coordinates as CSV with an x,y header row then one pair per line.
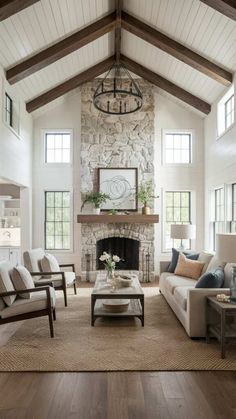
x,y
118,93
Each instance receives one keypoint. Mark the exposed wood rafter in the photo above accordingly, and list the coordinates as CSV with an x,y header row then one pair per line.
x,y
118,31
61,49
166,85
226,7
182,53
10,7
70,84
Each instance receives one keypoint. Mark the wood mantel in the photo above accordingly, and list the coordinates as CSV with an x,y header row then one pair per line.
x,y
132,218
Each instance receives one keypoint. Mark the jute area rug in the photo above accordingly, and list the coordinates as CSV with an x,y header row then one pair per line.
x,y
113,344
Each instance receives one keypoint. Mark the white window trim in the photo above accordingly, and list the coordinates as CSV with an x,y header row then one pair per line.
x,y
221,112
57,131
178,131
59,251
192,211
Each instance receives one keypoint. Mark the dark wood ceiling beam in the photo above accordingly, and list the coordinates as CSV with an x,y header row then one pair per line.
x,y
226,7
177,50
166,85
61,49
70,84
118,31
10,7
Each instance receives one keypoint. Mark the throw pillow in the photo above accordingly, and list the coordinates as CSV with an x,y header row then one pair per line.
x,y
49,264
22,279
189,268
175,256
215,263
6,284
212,279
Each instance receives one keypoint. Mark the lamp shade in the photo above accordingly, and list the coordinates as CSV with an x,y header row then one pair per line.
x,y
182,231
226,247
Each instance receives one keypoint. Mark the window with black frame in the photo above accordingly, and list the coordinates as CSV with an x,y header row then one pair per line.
x,y
57,220
229,112
219,223
8,110
178,211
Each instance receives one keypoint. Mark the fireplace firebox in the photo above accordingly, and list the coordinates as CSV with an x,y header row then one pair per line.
x,y
127,249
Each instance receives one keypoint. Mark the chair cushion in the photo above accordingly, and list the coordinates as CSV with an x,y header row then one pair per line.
x,y
212,279
174,281
189,268
57,281
38,301
6,284
49,264
22,279
175,257
32,260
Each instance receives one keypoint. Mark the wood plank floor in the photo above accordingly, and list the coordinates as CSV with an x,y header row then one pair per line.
x,y
123,395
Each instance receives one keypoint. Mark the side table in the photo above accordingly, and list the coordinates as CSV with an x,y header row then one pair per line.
x,y
222,330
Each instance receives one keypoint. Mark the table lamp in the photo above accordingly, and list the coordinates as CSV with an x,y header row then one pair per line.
x,y
226,252
182,231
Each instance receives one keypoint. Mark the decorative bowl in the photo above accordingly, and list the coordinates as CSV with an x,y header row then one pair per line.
x,y
116,305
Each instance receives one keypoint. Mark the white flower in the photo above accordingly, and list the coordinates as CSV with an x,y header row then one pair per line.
x,y
113,264
105,256
116,258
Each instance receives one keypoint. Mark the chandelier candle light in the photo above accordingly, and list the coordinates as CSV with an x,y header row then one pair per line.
x,y
118,93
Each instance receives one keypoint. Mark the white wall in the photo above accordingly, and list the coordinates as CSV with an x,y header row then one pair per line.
x,y
220,162
16,155
65,115
170,115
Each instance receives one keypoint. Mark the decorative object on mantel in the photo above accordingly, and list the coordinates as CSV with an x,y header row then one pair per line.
x,y
144,194
118,93
96,198
121,186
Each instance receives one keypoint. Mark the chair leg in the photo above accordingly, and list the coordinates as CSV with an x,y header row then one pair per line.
x,y
50,318
65,296
54,314
75,289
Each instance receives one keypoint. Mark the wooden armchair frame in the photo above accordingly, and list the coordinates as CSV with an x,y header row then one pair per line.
x,y
48,311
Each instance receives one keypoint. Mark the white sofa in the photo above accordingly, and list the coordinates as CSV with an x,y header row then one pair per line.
x,y
188,302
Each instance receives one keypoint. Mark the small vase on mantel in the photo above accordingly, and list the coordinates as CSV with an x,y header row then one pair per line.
x,y
146,210
96,211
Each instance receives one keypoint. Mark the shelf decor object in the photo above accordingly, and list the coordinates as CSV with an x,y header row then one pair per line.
x,y
226,252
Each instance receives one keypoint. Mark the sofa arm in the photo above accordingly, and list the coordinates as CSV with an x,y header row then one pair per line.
x,y
164,265
196,308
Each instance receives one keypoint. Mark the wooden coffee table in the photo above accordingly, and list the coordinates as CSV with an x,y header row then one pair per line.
x,y
103,291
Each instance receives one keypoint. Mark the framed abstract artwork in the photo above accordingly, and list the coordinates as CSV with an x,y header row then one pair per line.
x,y
121,186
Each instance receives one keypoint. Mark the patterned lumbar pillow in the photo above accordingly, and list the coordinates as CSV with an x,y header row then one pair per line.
x,y
175,257
189,268
212,279
22,280
49,264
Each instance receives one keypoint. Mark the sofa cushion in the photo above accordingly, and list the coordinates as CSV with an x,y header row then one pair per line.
x,y
189,268
180,295
214,263
22,279
175,257
49,264
212,279
38,301
174,281
6,284
206,258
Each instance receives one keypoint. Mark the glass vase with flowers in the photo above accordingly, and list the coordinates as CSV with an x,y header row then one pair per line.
x,y
109,262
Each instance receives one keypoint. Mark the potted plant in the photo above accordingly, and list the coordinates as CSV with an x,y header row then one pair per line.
x,y
96,198
145,193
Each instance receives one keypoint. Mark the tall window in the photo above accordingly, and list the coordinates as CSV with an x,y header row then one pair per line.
x,y
233,222
177,148
178,211
8,110
57,220
225,111
57,147
229,112
219,212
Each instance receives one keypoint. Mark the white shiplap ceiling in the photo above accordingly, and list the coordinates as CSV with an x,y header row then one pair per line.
x,y
189,22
